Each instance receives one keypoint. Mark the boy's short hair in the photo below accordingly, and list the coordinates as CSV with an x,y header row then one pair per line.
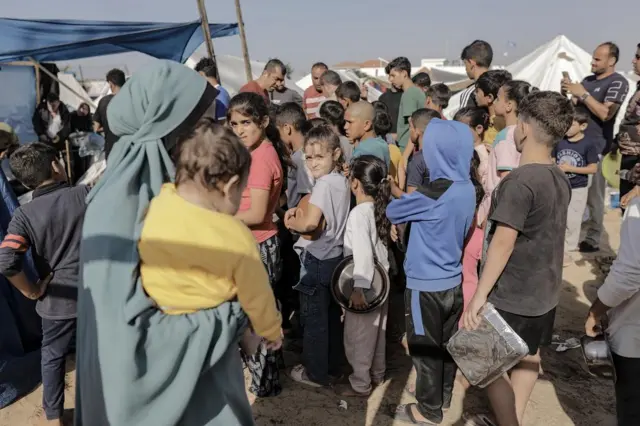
x,y
421,117
292,114
348,90
52,97
211,154
399,64
440,94
422,80
116,77
31,163
382,123
491,81
480,52
550,115
330,77
581,116
333,113
274,65
207,66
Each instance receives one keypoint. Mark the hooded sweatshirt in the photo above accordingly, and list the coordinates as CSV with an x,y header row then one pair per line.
x,y
440,212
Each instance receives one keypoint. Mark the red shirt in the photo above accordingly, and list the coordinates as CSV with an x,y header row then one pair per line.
x,y
311,101
254,87
265,173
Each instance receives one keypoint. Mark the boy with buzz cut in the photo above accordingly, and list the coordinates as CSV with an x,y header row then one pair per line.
x,y
51,226
522,271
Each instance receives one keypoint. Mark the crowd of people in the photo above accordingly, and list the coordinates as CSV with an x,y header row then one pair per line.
x,y
221,220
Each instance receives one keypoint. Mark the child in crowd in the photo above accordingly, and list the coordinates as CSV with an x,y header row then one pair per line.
x,y
359,127
438,97
487,88
367,239
333,113
318,121
577,156
348,93
413,169
319,313
503,155
248,117
51,227
441,214
330,80
522,271
422,81
382,127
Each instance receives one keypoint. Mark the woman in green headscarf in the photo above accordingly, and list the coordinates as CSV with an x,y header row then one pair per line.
x,y
135,365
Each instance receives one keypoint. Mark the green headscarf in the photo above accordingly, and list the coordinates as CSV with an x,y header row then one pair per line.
x,y
135,365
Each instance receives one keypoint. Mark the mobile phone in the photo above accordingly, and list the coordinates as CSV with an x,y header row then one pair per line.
x,y
565,75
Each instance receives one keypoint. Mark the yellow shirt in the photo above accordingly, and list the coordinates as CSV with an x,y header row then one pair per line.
x,y
194,258
396,158
496,124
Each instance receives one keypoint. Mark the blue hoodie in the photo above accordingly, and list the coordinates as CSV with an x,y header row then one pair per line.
x,y
441,212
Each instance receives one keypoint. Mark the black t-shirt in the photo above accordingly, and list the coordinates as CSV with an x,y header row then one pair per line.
x,y
613,88
533,199
392,101
417,171
100,116
577,154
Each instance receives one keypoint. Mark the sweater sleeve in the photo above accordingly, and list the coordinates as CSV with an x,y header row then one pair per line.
x,y
14,246
256,296
362,248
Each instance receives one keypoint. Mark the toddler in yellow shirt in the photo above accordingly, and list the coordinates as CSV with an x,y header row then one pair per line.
x,y
195,254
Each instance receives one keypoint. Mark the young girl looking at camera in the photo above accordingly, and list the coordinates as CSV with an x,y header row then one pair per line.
x,y
366,239
328,203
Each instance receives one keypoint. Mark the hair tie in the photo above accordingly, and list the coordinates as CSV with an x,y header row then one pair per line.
x,y
384,179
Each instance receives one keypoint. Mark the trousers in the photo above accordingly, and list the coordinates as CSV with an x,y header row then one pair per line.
x,y
58,337
595,203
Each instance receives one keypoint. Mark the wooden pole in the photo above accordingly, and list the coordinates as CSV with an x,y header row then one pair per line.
x,y
243,40
206,33
38,88
55,78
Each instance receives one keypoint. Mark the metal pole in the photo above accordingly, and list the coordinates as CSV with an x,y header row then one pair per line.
x,y
206,32
243,40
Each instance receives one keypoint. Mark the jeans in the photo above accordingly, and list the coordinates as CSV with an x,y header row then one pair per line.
x,y
58,337
627,390
323,351
595,203
432,318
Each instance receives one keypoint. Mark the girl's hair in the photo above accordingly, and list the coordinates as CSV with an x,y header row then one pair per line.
x,y
478,116
372,174
380,106
323,134
253,106
211,154
517,90
475,178
381,123
318,121
333,113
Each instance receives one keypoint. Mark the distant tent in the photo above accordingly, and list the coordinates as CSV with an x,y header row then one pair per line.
x,y
61,40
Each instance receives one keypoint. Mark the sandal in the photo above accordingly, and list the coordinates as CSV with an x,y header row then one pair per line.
x,y
477,420
299,374
403,413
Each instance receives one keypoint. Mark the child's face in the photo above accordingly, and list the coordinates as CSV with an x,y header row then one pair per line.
x,y
482,99
247,130
320,160
344,102
501,106
575,129
355,127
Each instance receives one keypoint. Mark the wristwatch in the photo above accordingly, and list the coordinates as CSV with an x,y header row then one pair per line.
x,y
585,96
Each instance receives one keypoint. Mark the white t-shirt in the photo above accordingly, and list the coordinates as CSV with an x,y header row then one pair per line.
x,y
330,194
361,240
299,180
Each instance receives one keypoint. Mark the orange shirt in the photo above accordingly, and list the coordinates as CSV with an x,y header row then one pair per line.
x,y
266,174
254,87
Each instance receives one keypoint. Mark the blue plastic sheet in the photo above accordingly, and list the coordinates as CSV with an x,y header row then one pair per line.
x,y
18,100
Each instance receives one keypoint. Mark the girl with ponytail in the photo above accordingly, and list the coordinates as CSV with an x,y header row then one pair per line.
x,y
366,238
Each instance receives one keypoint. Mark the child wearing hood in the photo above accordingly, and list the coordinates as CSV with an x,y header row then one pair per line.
x,y
441,213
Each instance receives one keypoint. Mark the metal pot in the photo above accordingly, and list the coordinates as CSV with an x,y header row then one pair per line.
x,y
597,356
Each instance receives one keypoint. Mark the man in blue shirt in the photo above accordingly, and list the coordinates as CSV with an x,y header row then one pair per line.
x,y
359,127
207,68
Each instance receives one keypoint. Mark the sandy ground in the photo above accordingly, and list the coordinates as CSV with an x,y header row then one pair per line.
x,y
564,395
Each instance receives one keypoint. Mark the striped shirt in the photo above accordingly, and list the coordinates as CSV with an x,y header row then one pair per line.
x,y
468,97
312,100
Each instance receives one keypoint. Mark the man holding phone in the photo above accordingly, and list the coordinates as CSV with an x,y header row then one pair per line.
x,y
601,95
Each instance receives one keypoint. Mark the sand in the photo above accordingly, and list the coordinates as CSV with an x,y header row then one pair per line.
x,y
565,395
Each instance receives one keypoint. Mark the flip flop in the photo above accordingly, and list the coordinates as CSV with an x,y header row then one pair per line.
x,y
404,414
477,420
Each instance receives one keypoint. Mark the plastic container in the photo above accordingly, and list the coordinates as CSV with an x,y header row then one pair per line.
x,y
614,199
488,352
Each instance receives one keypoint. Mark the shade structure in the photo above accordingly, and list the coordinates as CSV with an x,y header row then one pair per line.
x,y
62,40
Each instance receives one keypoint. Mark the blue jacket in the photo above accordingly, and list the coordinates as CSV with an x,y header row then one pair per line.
x,y
440,213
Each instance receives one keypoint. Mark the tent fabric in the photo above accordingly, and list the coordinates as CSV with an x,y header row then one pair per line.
x,y
21,330
62,40
69,98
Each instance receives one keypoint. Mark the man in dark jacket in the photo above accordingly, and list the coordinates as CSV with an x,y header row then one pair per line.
x,y
51,121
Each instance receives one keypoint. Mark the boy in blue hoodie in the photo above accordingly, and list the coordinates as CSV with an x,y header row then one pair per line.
x,y
441,213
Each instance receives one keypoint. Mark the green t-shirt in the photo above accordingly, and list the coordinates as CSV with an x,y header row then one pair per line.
x,y
412,99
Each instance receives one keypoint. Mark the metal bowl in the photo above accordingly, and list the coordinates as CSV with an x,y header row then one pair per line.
x,y
597,356
342,286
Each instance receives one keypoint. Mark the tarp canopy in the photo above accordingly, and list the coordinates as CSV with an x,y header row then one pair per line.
x,y
62,40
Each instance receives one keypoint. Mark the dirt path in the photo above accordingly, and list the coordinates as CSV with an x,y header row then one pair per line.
x,y
564,395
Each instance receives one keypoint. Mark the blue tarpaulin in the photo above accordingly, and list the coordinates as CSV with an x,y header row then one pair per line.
x,y
63,40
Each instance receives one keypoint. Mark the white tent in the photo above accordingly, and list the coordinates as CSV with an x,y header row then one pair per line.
x,y
69,98
544,66
346,75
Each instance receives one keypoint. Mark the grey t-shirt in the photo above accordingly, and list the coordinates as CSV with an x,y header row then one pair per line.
x,y
330,194
417,172
347,149
533,199
287,95
613,88
299,180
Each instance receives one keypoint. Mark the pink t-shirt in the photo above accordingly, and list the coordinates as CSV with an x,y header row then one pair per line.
x,y
504,157
266,174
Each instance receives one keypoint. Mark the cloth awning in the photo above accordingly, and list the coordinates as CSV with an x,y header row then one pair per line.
x,y
63,40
